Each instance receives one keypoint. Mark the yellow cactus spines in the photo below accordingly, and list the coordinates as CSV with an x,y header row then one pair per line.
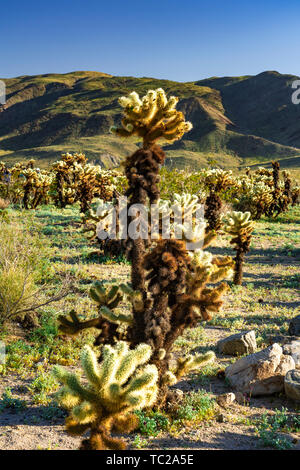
x,y
238,222
152,117
118,385
240,226
36,185
207,269
186,364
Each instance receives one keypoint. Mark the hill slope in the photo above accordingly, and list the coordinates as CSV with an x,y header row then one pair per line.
x,y
237,120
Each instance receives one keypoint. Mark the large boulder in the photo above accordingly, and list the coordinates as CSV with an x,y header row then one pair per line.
x,y
292,384
238,344
261,373
294,326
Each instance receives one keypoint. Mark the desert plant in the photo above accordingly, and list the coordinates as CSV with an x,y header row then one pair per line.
x,y
120,384
171,288
77,180
36,187
21,260
217,182
263,192
240,227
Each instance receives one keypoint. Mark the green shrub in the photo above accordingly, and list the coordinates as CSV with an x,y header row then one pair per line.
x,y
8,401
196,406
152,423
270,429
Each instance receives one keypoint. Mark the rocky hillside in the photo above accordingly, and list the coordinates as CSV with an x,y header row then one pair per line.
x,y
237,120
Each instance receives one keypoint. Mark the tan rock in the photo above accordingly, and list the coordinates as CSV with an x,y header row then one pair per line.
x,y
226,399
238,344
292,384
261,373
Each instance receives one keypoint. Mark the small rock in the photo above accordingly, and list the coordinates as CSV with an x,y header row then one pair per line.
x,y
292,384
238,344
261,373
294,326
226,399
293,349
221,418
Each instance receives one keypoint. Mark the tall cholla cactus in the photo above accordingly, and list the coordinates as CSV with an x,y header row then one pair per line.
x,y
116,387
239,225
169,288
152,117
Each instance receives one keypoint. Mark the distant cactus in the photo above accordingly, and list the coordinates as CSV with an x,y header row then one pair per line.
x,y
217,181
77,180
239,225
120,384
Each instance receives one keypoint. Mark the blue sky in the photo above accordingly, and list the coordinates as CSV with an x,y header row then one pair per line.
x,y
179,40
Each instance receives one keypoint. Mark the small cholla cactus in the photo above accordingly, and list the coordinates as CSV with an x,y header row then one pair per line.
x,y
184,365
102,227
239,225
120,384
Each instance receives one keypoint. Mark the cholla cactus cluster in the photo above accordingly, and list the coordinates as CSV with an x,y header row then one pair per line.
x,y
253,195
152,117
218,180
77,180
70,180
240,227
263,192
118,385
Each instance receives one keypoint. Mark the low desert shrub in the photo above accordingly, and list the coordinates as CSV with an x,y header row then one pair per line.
x,y
23,262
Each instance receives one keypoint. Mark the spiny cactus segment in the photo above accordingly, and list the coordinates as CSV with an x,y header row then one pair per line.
x,y
152,117
118,385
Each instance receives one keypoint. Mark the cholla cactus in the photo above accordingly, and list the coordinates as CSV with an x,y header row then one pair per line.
x,y
254,194
169,288
152,117
36,187
217,181
107,296
120,384
295,194
239,225
184,365
77,180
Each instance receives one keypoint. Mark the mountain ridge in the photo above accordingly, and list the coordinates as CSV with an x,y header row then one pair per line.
x,y
237,120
